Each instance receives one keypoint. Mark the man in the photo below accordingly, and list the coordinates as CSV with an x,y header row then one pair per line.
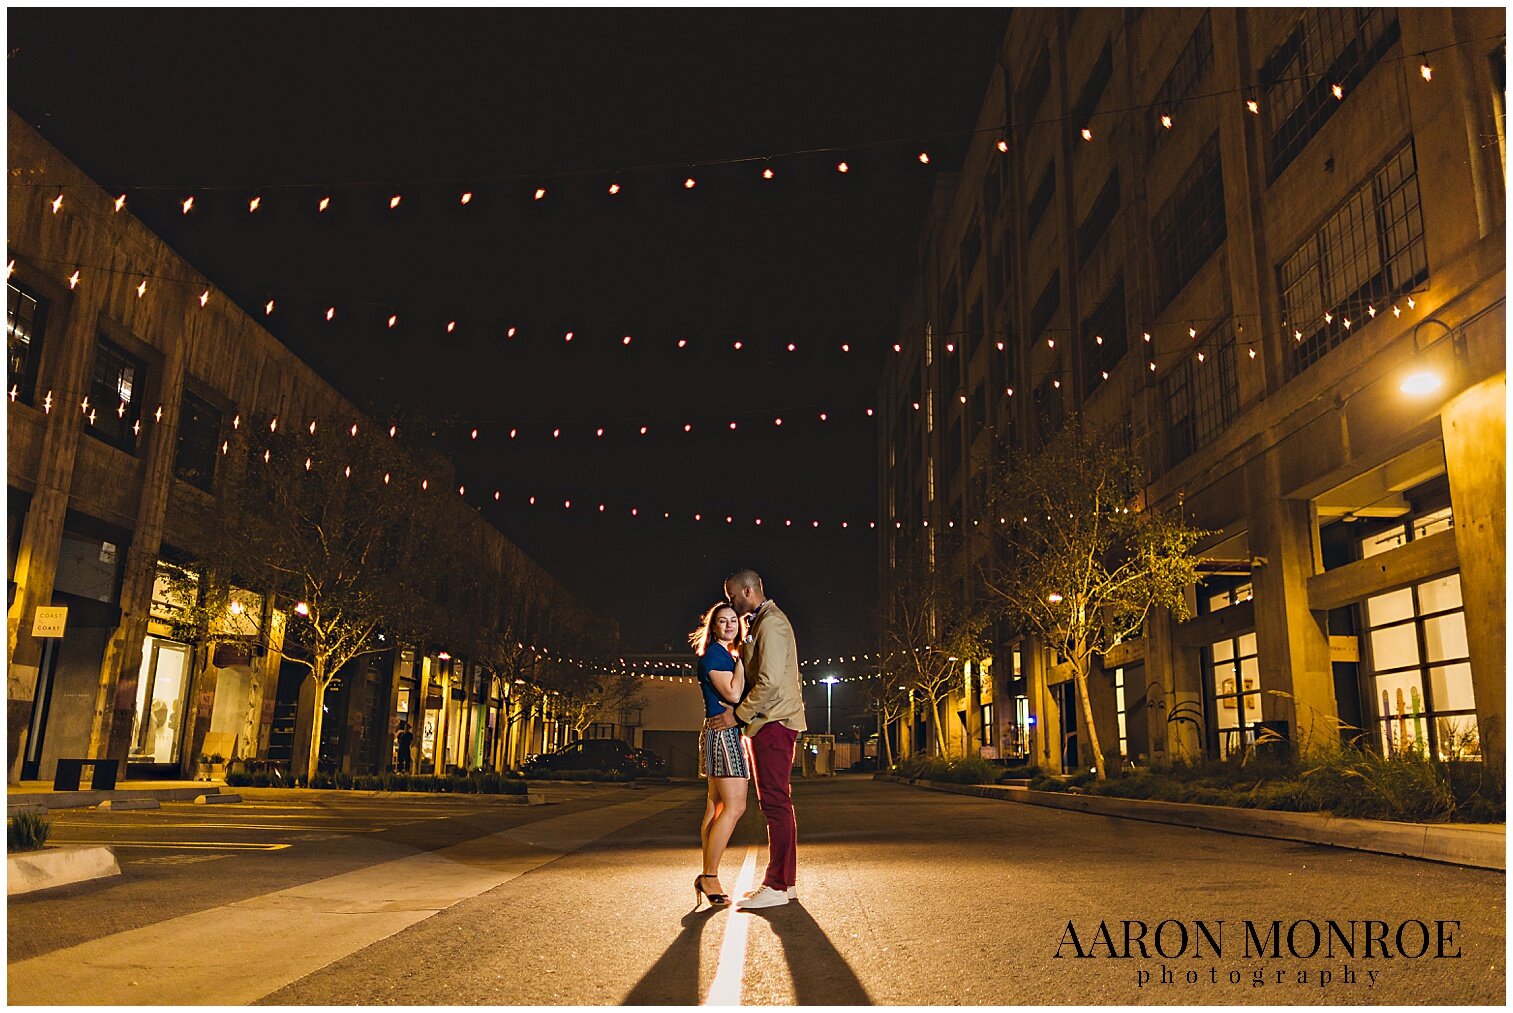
x,y
402,741
771,716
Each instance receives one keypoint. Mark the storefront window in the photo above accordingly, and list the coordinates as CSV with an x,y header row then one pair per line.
x,y
1119,706
1234,679
160,702
1421,668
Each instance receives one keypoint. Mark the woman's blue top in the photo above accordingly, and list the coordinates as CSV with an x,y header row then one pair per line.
x,y
715,659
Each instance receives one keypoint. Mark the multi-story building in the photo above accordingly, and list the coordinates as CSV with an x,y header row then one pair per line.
x,y
124,386
1231,237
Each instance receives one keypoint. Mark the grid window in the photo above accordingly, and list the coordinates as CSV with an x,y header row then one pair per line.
x,y
1201,398
1093,88
1091,232
1191,225
199,442
1120,711
1048,403
1192,64
1370,250
1329,46
26,314
1104,341
1420,665
1046,306
1040,200
1234,682
1033,93
115,396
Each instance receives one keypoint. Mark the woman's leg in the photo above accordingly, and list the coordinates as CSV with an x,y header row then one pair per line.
x,y
711,810
732,804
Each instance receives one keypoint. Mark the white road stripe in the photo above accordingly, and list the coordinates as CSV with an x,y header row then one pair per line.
x,y
726,989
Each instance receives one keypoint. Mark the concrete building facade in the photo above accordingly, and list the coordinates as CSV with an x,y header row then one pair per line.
x,y
123,388
1265,249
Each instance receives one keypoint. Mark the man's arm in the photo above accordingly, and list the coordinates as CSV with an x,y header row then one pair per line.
x,y
764,677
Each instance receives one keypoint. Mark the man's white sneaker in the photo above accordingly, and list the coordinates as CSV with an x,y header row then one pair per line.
x,y
793,893
764,897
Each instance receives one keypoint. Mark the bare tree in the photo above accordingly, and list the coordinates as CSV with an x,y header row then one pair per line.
x,y
889,700
1083,562
930,631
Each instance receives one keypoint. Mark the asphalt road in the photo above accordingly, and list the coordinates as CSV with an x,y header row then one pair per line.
x,y
905,897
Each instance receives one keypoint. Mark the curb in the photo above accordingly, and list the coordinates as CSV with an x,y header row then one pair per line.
x,y
410,796
31,871
1476,845
87,799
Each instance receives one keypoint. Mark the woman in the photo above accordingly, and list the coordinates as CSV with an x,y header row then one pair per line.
x,y
722,677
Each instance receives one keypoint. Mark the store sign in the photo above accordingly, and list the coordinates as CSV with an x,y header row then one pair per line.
x,y
50,621
1344,649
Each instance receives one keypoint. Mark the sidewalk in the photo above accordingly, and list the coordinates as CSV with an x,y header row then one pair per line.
x,y
1479,845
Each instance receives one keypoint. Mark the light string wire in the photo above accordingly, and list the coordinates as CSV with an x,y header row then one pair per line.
x,y
1248,93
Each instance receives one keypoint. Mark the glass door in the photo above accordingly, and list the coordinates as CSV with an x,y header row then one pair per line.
x,y
160,701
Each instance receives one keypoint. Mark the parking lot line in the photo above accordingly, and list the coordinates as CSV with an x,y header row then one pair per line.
x,y
185,845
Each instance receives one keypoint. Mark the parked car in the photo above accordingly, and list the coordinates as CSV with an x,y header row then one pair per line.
x,y
598,754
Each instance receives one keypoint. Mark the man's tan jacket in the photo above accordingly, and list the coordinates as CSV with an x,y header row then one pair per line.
x,y
772,672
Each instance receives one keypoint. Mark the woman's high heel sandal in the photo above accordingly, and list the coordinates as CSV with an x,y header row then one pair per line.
x,y
715,899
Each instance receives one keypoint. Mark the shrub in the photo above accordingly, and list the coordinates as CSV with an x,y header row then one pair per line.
x,y
27,832
934,768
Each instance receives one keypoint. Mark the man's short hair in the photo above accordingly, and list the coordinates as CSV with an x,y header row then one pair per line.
x,y
745,578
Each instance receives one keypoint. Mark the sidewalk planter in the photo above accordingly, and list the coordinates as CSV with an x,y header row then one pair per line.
x,y
1478,845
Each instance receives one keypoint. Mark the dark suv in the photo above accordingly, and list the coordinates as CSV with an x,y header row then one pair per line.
x,y
598,754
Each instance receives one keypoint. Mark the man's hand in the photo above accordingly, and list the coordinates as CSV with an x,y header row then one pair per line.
x,y
726,719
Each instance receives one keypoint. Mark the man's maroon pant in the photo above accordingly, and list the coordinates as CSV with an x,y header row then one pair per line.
x,y
772,756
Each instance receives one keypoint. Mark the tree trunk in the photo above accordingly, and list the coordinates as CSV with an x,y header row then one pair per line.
x,y
882,726
1087,717
317,719
940,741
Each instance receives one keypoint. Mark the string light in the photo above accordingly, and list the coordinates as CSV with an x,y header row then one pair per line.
x,y
57,203
73,279
1087,133
767,173
1425,71
204,297
467,197
142,288
614,188
120,202
1166,121
540,192
187,204
924,158
1339,92
325,202
1003,145
1252,105
394,201
842,167
393,319
268,308
254,204
689,183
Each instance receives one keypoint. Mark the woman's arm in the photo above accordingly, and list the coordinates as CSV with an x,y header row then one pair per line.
x,y
728,684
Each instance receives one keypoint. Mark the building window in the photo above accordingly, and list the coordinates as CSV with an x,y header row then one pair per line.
x,y
1092,230
1192,64
1369,251
26,314
1329,46
1103,338
987,725
1041,200
1201,398
1092,90
1033,93
1234,680
1046,306
115,395
1419,657
1048,403
1121,710
199,441
1191,225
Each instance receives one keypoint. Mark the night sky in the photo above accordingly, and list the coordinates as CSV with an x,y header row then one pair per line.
x,y
291,106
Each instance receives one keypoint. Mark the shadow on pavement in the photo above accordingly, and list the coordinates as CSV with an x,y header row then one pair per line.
x,y
674,979
821,975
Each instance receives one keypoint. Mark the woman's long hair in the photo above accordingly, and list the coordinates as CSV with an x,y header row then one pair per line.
x,y
703,634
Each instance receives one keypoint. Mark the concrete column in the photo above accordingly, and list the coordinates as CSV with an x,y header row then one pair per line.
x,y
36,561
1174,694
115,700
1475,430
1292,641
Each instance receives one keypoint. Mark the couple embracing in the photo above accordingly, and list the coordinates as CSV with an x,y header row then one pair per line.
x,y
754,712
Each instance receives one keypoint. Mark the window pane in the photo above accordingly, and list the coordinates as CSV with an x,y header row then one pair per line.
x,y
1452,688
1458,738
1389,608
1248,645
1224,650
1383,542
1394,647
1445,638
1400,701
1433,523
1439,595
1252,707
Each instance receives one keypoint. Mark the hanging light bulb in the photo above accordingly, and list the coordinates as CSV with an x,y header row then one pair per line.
x,y
73,279
451,326
120,202
268,308
767,173
540,192
204,297
1253,106
1424,70
1087,133
57,204
1003,145
142,288
1166,121
393,319
254,204
187,204
614,188
394,201
845,348
467,197
842,167
330,313
312,427
325,202
1339,92
643,430
510,333
924,158
689,183
353,430
625,340
393,431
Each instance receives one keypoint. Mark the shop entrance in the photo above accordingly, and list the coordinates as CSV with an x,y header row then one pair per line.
x,y
156,732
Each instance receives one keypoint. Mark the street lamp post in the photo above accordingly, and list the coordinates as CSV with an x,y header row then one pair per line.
x,y
829,682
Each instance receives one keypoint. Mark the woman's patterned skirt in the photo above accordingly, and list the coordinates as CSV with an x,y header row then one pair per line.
x,y
724,753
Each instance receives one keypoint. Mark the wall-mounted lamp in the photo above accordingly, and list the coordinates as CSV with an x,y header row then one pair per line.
x,y
1425,377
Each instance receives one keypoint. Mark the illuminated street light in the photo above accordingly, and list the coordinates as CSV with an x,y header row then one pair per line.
x,y
829,682
1422,382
